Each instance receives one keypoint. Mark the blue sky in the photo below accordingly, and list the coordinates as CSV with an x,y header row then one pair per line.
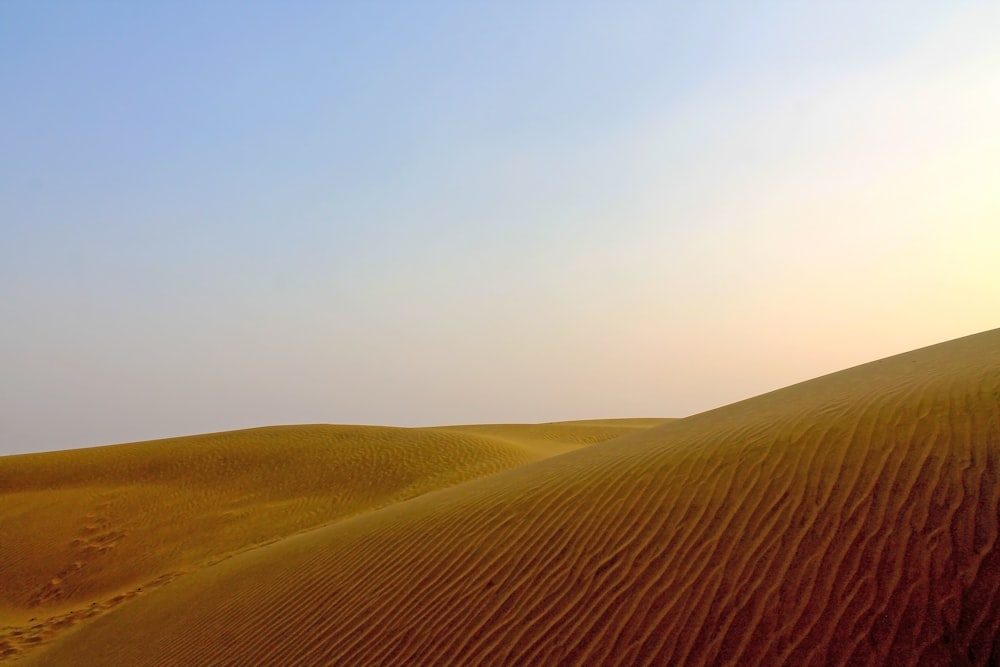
x,y
221,215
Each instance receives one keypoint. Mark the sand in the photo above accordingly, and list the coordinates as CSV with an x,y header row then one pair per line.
x,y
851,519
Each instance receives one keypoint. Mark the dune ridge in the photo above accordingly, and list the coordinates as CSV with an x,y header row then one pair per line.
x,y
850,519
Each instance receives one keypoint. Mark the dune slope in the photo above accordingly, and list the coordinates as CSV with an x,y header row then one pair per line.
x,y
82,531
852,519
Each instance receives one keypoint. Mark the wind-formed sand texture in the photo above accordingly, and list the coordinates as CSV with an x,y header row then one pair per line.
x,y
851,519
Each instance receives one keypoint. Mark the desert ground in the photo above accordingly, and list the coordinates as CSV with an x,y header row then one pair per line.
x,y
849,519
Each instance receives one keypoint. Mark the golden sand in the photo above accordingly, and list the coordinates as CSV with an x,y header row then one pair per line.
x,y
851,519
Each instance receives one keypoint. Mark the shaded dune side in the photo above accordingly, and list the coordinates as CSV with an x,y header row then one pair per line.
x,y
845,520
82,525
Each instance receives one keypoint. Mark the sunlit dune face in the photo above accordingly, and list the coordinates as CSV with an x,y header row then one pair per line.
x,y
90,529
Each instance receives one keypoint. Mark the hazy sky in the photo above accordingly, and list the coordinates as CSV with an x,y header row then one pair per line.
x,y
217,215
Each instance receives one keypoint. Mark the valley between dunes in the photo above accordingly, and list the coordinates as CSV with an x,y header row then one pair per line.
x,y
850,519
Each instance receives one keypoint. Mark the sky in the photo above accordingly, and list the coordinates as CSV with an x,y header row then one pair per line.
x,y
233,214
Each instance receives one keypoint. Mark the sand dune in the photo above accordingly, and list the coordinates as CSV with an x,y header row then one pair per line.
x,y
851,519
82,531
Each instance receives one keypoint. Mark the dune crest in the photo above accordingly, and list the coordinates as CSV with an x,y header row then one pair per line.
x,y
851,519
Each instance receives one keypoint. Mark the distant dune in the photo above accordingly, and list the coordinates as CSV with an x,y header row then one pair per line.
x,y
851,519
82,531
